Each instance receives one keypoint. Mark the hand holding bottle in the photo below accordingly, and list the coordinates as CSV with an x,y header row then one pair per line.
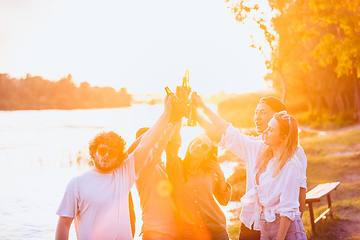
x,y
177,112
199,102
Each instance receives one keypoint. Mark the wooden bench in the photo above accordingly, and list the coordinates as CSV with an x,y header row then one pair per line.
x,y
314,195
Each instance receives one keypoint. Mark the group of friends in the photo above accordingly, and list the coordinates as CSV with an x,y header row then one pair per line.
x,y
180,198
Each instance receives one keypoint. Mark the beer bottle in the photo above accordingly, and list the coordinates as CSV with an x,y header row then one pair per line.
x,y
169,92
186,84
193,113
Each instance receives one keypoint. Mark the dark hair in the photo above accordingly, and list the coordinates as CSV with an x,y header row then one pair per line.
x,y
110,139
213,153
141,131
139,134
274,103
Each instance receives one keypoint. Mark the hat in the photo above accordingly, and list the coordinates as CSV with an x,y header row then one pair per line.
x,y
273,102
141,131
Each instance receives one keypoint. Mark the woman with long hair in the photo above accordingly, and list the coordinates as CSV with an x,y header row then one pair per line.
x,y
278,179
274,200
196,180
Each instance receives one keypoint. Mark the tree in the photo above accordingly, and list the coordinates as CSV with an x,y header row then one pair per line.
x,y
315,50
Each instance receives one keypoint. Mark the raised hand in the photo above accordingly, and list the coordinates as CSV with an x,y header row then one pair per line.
x,y
167,103
215,166
199,102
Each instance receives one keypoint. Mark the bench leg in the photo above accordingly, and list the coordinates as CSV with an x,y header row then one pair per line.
x,y
312,219
329,204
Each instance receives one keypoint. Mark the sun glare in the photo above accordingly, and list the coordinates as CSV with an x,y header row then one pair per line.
x,y
139,45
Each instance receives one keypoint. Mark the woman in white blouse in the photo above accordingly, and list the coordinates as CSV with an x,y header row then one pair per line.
x,y
277,171
278,179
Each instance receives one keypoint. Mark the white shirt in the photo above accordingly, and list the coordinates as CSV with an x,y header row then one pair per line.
x,y
248,148
300,154
99,203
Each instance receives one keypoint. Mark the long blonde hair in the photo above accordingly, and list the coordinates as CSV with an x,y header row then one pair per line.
x,y
289,129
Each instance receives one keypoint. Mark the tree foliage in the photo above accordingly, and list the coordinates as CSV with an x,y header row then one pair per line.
x,y
315,51
34,93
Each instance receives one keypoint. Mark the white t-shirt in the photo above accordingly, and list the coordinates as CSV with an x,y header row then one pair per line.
x,y
248,148
99,203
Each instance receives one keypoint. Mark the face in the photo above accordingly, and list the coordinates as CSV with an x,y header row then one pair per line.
x,y
200,147
263,114
105,158
272,136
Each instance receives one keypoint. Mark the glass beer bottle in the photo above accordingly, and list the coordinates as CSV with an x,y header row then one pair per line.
x,y
169,92
193,113
186,84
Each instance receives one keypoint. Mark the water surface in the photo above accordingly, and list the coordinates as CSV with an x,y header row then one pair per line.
x,y
42,150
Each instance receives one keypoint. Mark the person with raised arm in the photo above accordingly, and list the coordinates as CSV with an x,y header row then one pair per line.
x,y
250,149
159,212
98,199
196,180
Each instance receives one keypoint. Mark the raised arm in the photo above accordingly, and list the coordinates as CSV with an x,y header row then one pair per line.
x,y
176,133
172,151
152,136
218,122
159,147
210,130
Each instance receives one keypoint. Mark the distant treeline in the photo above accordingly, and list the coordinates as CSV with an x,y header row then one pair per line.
x,y
35,93
239,110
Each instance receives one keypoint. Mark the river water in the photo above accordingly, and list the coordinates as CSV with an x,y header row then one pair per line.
x,y
42,150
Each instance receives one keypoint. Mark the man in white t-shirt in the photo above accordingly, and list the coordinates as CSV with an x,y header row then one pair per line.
x,y
218,127
98,199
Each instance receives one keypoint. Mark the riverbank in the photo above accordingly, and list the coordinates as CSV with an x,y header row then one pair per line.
x,y
332,156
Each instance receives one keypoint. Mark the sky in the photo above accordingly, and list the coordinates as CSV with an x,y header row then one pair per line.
x,y
141,45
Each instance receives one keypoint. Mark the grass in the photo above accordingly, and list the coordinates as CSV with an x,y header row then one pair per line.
x,y
325,121
332,157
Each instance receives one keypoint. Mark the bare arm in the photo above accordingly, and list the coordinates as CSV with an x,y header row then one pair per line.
x,y
218,122
215,166
172,150
166,137
159,148
302,200
210,130
152,136
283,228
222,191
62,229
176,134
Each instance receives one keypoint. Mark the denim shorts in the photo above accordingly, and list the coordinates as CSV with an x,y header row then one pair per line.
x,y
269,230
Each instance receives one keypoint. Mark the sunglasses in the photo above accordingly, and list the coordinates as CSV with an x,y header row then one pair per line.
x,y
203,145
112,153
